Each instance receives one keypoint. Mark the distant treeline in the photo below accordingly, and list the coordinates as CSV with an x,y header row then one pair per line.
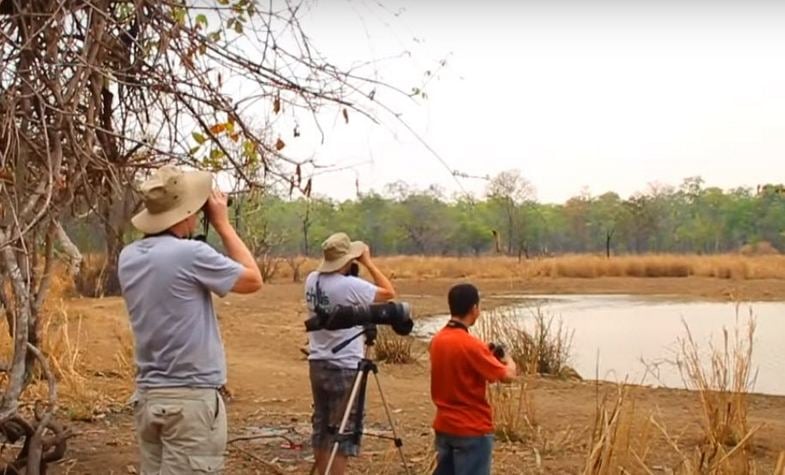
x,y
690,218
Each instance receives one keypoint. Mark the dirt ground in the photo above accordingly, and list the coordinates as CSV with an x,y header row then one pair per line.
x,y
268,376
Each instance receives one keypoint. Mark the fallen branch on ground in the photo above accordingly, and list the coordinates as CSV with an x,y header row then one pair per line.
x,y
264,462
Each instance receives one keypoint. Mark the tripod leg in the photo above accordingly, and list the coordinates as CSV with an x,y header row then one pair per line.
x,y
344,420
398,442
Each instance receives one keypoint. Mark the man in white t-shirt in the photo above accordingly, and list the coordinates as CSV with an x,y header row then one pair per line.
x,y
332,374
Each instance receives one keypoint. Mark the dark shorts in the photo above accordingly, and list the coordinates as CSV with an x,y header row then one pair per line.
x,y
463,455
331,387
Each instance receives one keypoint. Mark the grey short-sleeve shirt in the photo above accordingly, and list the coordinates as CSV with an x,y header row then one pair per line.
x,y
337,289
167,284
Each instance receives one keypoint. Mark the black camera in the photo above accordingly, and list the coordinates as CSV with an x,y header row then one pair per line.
x,y
498,350
395,314
354,269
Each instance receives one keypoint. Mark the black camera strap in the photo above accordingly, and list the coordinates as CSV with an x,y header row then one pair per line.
x,y
318,308
457,324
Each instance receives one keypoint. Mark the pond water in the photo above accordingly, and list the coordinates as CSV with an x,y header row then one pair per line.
x,y
618,337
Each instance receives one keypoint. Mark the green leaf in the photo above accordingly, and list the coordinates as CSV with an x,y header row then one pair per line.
x,y
200,139
201,19
179,15
193,150
249,148
238,27
216,153
223,2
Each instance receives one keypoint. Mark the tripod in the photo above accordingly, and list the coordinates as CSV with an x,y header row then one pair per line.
x,y
364,367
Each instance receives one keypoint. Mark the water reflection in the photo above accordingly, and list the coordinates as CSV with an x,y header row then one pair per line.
x,y
615,334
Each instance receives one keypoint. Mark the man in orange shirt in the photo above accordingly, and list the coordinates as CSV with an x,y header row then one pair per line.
x,y
461,365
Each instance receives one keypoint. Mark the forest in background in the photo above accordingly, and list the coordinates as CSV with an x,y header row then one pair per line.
x,y
401,220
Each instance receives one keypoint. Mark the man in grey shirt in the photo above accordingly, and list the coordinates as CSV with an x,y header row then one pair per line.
x,y
332,374
167,281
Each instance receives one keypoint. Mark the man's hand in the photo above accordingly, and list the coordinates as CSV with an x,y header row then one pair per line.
x,y
385,290
512,369
217,210
365,257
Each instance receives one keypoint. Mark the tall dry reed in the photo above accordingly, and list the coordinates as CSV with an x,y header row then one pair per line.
x,y
722,379
544,348
393,348
513,412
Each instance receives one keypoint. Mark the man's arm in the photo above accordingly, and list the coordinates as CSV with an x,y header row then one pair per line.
x,y
385,290
491,369
250,279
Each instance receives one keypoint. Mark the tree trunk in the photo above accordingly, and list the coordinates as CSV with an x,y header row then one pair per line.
x,y
74,256
510,230
306,229
110,282
496,242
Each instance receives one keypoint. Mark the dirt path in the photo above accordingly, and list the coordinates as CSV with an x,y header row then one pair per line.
x,y
268,375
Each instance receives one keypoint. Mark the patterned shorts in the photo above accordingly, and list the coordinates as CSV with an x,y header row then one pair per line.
x,y
331,387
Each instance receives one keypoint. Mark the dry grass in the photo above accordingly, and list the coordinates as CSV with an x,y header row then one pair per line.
x,y
124,356
605,446
428,462
64,343
89,280
723,385
721,380
747,265
64,340
393,348
780,468
726,266
513,412
750,265
545,349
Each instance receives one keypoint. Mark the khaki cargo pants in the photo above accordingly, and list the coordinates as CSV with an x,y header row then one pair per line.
x,y
180,430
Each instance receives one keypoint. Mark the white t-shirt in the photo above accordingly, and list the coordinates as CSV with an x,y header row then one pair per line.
x,y
337,289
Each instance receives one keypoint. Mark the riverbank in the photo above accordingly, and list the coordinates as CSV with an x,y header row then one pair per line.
x,y
263,334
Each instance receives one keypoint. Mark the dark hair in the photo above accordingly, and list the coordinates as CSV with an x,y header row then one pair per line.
x,y
462,298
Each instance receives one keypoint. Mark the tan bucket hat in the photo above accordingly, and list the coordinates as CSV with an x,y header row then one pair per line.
x,y
170,195
339,250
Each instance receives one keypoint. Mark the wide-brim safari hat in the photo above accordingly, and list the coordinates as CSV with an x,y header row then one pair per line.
x,y
170,195
338,250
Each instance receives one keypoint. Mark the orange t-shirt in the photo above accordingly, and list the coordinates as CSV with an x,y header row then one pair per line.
x,y
460,367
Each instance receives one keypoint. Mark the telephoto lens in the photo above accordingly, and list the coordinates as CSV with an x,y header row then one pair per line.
x,y
395,314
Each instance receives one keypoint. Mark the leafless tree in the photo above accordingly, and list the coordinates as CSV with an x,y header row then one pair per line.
x,y
93,93
510,190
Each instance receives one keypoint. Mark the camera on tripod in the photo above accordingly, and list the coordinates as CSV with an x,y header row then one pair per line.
x,y
339,317
395,314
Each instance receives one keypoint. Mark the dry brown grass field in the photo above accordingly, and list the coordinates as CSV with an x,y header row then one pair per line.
x,y
546,424
721,266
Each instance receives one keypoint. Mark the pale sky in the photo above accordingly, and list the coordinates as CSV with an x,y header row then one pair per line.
x,y
604,95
